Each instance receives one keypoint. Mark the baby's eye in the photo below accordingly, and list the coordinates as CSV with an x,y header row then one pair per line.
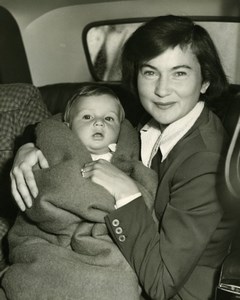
x,y
109,119
87,117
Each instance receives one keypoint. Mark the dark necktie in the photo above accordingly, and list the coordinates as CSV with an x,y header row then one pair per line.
x,y
156,161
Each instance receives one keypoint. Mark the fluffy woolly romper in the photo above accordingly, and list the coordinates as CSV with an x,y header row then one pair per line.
x,y
60,248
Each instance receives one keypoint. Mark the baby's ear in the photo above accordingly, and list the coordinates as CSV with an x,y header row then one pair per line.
x,y
66,123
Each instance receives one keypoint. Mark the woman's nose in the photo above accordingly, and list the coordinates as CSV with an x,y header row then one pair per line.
x,y
162,87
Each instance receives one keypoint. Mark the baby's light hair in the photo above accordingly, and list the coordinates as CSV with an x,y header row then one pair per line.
x,y
91,90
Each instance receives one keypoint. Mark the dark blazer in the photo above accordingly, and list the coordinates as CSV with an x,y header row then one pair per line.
x,y
180,259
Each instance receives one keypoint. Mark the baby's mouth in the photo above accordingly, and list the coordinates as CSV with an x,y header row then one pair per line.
x,y
98,135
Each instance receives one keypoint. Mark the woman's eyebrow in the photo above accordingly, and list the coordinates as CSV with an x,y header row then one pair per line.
x,y
173,68
148,66
182,66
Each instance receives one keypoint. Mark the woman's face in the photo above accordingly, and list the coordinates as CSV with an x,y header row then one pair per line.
x,y
170,84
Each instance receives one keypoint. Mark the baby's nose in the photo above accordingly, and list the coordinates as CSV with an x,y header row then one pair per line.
x,y
99,122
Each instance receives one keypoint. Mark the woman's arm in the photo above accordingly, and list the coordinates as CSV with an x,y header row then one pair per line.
x,y
165,258
23,184
115,181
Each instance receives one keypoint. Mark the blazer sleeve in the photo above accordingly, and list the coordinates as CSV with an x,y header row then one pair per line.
x,y
164,257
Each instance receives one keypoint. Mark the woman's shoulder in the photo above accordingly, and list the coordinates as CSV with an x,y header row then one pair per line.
x,y
206,139
212,132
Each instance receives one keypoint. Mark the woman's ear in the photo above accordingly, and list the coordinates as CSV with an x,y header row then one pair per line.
x,y
204,87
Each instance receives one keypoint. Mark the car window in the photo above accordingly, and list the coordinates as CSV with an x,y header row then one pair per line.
x,y
103,46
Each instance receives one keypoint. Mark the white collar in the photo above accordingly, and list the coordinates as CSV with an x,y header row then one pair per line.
x,y
152,138
107,156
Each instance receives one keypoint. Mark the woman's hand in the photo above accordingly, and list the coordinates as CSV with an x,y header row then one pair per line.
x,y
23,184
116,182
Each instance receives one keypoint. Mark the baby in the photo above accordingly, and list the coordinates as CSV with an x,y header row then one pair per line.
x,y
95,115
62,242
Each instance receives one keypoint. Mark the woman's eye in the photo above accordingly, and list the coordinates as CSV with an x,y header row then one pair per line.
x,y
149,73
180,74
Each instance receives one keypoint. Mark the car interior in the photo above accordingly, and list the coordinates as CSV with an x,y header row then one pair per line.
x,y
51,48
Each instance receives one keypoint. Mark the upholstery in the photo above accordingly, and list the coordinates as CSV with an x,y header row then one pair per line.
x,y
231,110
20,105
23,104
13,58
56,96
227,108
229,283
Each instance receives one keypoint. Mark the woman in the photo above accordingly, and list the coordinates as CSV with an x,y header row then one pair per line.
x,y
173,67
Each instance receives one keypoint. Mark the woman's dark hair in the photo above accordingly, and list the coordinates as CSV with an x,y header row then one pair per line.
x,y
164,32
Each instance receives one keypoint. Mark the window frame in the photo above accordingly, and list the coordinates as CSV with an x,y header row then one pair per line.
x,y
222,19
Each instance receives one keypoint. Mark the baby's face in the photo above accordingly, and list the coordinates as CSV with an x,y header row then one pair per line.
x,y
96,121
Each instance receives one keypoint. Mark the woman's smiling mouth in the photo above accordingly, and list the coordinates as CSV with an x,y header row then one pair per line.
x,y
164,106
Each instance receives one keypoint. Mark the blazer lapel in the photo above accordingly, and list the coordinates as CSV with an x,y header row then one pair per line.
x,y
173,161
177,152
